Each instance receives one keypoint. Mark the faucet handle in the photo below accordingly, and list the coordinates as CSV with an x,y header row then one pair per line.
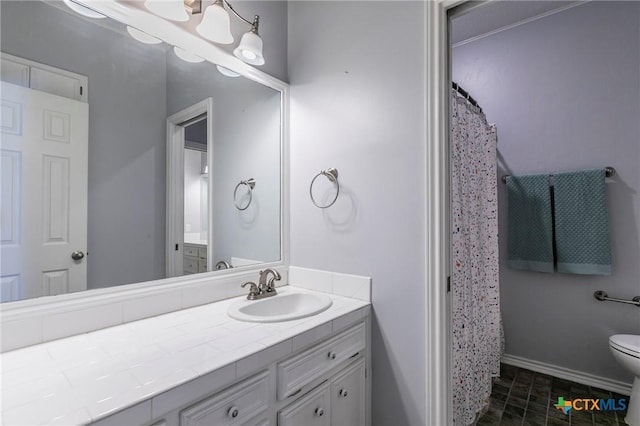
x,y
253,290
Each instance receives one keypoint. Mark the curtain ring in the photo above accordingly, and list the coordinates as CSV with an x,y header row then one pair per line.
x,y
250,183
332,175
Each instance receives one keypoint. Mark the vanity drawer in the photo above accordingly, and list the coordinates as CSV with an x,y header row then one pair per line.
x,y
191,251
202,265
300,370
312,409
190,264
234,406
202,253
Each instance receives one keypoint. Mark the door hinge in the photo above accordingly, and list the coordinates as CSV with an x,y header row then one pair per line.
x,y
177,247
448,284
80,90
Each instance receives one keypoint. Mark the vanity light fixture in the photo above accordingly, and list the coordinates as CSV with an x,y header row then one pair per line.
x,y
215,25
187,56
82,10
142,37
250,47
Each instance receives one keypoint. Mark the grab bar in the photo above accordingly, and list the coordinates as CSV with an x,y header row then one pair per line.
x,y
603,296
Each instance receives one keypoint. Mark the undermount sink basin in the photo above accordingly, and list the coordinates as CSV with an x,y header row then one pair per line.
x,y
281,307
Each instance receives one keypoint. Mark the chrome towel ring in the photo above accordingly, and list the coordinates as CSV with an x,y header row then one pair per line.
x,y
250,184
332,175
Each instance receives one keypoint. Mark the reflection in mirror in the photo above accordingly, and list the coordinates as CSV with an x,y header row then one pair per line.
x,y
196,197
84,157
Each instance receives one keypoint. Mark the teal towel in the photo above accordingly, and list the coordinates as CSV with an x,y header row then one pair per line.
x,y
530,223
582,223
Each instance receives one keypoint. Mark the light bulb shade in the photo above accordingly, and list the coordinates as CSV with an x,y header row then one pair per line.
x,y
85,11
187,56
169,9
227,72
216,25
142,37
250,49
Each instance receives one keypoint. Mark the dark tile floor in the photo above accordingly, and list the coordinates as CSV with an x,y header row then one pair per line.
x,y
525,398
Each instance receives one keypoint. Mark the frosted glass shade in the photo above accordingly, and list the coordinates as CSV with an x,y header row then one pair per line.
x,y
169,9
85,11
187,56
250,49
227,72
215,25
142,37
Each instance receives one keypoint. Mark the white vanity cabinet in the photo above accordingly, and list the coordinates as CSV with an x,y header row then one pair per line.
x,y
195,258
337,402
317,377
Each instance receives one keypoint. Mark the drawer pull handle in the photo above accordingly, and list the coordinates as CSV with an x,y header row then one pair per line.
x,y
331,355
343,393
319,412
233,412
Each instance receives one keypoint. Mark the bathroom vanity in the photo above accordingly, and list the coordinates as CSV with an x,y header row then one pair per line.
x,y
199,366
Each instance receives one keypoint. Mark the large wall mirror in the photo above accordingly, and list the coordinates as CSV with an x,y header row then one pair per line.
x,y
125,162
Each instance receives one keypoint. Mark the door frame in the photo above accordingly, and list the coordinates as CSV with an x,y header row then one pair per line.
x,y
174,244
439,410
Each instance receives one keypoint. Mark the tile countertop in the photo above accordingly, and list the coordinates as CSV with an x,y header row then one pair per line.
x,y
84,378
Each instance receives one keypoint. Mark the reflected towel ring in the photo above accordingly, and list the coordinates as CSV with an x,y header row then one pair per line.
x,y
332,175
250,183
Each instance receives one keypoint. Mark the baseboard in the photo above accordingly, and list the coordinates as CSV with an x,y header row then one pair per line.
x,y
569,374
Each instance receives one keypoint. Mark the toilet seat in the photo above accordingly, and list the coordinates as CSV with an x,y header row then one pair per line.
x,y
628,344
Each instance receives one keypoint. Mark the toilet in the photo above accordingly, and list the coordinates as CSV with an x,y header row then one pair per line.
x,y
626,350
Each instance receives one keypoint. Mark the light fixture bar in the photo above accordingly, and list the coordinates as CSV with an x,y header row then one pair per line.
x,y
226,3
194,7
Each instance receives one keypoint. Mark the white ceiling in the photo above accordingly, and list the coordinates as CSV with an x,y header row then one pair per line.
x,y
498,14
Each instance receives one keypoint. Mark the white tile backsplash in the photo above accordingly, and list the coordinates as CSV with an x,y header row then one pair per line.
x,y
20,333
312,279
352,286
152,305
57,326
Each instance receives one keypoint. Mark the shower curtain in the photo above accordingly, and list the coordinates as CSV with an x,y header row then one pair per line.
x,y
477,332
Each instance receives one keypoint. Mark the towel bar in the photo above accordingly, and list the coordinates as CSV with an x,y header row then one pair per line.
x,y
608,172
603,297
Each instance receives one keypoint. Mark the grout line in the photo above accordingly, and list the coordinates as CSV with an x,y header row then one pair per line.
x,y
548,402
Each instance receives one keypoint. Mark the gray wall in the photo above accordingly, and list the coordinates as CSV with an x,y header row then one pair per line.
x,y
246,126
126,198
564,92
357,104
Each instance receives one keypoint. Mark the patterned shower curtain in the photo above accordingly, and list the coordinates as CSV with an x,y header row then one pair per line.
x,y
477,332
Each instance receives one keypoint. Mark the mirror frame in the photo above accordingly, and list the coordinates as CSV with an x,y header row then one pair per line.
x,y
29,316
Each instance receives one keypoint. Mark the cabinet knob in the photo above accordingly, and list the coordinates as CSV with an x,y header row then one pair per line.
x,y
319,412
331,355
343,393
233,412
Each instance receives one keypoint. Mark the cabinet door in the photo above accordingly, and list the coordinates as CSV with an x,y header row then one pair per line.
x,y
311,410
348,396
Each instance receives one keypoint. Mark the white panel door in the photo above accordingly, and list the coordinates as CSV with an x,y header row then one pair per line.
x,y
43,218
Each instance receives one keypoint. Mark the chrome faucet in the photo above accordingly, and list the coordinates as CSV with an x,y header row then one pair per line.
x,y
265,288
268,287
223,264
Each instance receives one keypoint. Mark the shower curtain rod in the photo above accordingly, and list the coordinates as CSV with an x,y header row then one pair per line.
x,y
465,94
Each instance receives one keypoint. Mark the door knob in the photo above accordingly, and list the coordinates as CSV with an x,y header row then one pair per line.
x,y
77,255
